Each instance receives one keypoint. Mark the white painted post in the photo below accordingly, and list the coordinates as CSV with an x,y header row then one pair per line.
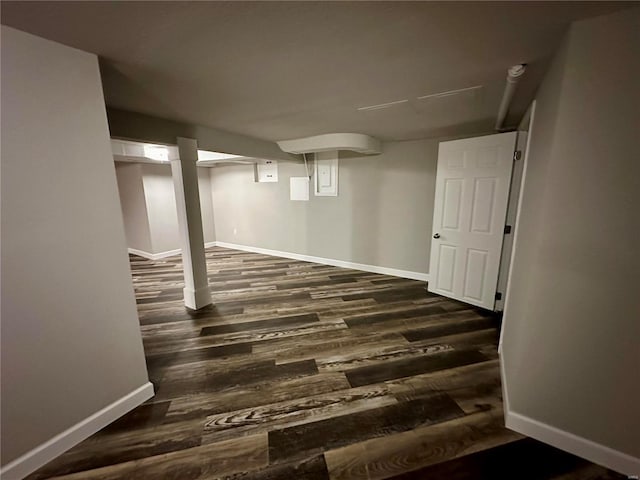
x,y
185,181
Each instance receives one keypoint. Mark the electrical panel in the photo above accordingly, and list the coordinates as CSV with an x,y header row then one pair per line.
x,y
326,174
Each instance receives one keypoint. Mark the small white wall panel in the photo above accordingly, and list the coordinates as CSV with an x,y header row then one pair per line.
x,y
299,187
266,172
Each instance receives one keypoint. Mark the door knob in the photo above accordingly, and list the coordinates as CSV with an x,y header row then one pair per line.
x,y
436,235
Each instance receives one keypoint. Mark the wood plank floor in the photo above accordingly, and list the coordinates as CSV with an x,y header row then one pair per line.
x,y
305,371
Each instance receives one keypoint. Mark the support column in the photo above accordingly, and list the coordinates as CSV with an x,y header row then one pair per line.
x,y
185,182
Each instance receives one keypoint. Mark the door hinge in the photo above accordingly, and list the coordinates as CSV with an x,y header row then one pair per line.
x,y
517,155
498,296
507,229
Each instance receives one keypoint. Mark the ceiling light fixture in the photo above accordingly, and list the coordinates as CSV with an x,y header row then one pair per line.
x,y
156,152
205,155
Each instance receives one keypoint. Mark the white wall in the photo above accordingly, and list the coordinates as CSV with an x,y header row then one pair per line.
x,y
206,205
149,206
382,215
134,206
161,207
71,343
571,347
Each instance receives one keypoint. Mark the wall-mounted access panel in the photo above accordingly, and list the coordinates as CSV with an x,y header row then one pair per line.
x,y
299,188
266,171
325,182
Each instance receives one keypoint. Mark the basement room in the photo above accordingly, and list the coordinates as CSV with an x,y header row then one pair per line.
x,y
318,240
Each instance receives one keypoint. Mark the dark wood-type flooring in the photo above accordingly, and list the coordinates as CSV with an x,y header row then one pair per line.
x,y
306,371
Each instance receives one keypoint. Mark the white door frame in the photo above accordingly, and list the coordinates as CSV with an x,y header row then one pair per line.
x,y
510,221
525,125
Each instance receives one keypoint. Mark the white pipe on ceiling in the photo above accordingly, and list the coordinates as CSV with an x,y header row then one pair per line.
x,y
513,77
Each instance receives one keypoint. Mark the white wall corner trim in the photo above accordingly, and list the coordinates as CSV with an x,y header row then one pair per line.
x,y
587,449
198,298
328,261
44,453
527,150
505,392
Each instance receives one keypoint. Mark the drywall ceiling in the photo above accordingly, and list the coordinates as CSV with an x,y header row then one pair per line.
x,y
282,70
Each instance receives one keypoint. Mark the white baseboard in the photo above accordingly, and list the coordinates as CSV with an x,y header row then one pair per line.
x,y
168,253
329,261
592,451
44,453
140,253
155,256
587,449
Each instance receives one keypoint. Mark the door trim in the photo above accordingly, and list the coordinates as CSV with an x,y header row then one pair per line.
x,y
517,220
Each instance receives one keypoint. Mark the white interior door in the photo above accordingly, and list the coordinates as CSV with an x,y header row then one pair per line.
x,y
472,190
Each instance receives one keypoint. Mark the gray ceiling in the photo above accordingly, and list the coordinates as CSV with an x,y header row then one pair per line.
x,y
281,70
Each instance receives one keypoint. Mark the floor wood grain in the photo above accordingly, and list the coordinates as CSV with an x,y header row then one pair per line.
x,y
311,372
